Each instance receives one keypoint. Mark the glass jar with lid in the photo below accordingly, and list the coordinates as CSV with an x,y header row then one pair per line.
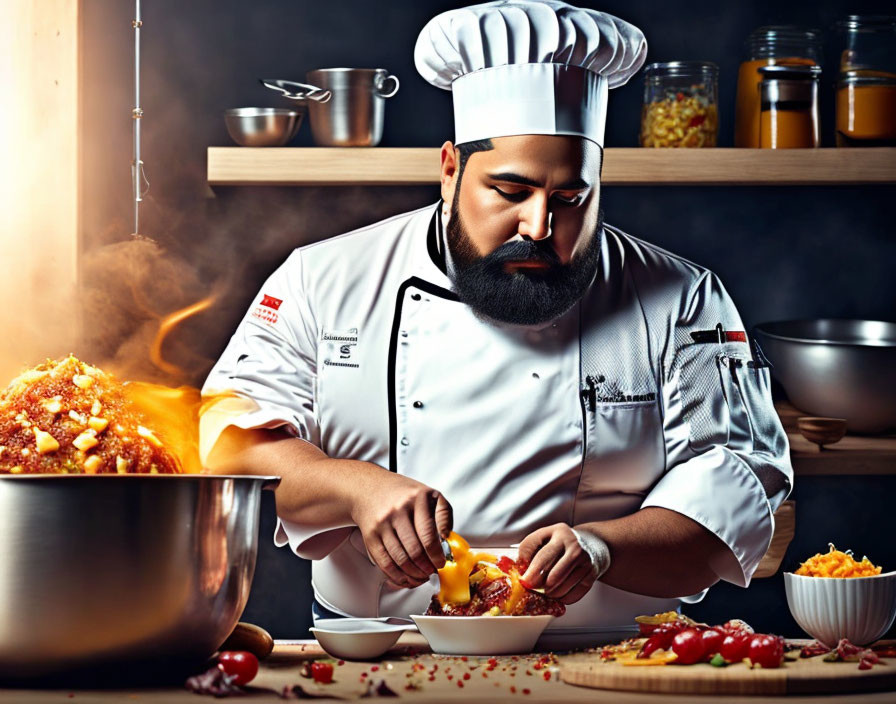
x,y
869,44
866,89
789,107
768,46
680,104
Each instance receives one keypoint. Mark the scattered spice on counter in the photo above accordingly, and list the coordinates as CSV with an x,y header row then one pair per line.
x,y
848,652
814,648
379,689
214,682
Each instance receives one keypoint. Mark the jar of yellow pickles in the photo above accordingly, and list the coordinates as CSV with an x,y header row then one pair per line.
x,y
680,105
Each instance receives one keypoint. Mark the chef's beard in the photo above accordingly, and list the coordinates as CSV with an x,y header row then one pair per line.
x,y
524,296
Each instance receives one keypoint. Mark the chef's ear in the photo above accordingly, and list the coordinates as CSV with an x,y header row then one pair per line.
x,y
450,169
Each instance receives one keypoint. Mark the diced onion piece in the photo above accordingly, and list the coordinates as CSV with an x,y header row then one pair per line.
x,y
86,440
53,405
45,442
82,381
92,464
16,470
77,417
96,408
147,434
121,464
97,424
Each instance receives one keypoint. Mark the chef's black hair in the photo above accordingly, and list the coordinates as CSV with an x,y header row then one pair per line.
x,y
466,150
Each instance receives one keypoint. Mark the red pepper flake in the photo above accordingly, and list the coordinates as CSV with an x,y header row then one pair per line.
x,y
492,661
460,683
547,675
374,668
538,665
485,674
464,658
432,678
341,663
466,675
512,689
527,691
450,677
435,666
363,675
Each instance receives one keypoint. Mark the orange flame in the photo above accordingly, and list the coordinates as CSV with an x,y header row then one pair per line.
x,y
167,325
173,414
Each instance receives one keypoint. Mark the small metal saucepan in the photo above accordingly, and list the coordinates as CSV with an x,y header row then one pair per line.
x,y
118,572
352,113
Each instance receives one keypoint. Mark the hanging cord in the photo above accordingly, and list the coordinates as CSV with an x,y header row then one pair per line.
x,y
138,174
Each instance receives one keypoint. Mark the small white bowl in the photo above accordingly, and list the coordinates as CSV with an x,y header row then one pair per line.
x,y
481,635
357,639
830,608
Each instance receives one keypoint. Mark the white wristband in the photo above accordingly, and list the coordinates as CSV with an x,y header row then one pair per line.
x,y
597,550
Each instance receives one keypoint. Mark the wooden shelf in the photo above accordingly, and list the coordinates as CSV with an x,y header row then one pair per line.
x,y
853,455
325,166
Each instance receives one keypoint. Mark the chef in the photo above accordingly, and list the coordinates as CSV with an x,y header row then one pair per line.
x,y
507,364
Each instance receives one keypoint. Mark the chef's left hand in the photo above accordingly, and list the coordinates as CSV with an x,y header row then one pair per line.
x,y
558,563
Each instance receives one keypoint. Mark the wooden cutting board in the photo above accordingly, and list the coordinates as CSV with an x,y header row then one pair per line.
x,y
807,676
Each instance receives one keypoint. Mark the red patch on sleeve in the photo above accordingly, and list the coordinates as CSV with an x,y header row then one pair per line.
x,y
271,302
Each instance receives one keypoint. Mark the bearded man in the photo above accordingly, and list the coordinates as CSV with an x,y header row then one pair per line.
x,y
506,364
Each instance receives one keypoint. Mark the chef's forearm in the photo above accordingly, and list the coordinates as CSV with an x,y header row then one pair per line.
x,y
660,553
314,490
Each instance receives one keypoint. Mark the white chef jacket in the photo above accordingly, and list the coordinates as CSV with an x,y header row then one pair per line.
x,y
645,393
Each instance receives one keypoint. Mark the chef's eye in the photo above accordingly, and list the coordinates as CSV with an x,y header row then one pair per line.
x,y
516,197
574,200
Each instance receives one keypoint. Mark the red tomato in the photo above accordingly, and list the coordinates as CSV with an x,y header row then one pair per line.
x,y
688,646
734,647
766,651
735,627
653,643
240,665
322,672
712,641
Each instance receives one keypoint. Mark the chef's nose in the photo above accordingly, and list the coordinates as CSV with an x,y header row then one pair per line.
x,y
535,219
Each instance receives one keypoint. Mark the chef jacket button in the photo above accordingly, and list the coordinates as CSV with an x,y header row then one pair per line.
x,y
404,333
415,296
405,441
418,404
535,375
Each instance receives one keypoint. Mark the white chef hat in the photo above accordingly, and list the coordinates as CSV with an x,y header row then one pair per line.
x,y
528,66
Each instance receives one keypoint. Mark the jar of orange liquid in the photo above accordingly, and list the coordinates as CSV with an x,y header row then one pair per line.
x,y
788,117
866,110
768,46
866,89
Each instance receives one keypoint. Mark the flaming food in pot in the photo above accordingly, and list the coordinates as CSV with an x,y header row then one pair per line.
x,y
480,584
68,417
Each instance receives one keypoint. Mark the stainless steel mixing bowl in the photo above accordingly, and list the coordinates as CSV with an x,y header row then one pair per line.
x,y
262,127
836,368
117,571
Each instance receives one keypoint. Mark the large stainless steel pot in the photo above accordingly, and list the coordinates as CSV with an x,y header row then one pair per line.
x,y
837,368
353,117
103,571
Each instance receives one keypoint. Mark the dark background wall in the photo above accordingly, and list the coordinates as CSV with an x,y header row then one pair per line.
x,y
783,252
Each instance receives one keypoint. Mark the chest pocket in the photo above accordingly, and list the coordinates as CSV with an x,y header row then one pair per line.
x,y
624,455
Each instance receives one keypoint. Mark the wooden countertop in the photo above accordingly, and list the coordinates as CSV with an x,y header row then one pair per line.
x,y
281,669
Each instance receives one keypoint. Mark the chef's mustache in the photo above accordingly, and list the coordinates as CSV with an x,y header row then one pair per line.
x,y
525,249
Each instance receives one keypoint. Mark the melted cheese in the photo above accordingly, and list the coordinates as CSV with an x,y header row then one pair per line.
x,y
454,577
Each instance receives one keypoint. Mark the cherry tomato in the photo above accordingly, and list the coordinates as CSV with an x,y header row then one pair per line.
x,y
688,646
712,641
766,651
239,664
734,647
657,641
735,627
322,672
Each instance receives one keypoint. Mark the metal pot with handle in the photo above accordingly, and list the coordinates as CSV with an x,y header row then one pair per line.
x,y
353,114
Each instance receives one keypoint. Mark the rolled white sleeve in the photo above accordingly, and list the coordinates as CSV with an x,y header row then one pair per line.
x,y
727,457
266,378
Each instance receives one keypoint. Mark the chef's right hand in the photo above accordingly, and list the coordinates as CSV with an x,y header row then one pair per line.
x,y
403,522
